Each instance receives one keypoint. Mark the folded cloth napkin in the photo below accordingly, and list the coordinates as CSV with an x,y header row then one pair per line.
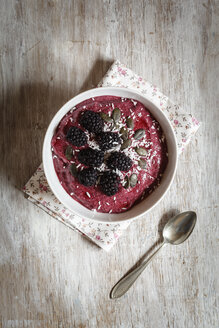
x,y
105,235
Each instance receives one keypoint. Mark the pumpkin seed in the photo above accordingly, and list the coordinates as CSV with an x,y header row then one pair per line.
x,y
116,115
142,163
124,133
98,180
130,122
106,117
106,156
133,179
69,152
127,182
73,170
116,126
141,151
139,134
126,144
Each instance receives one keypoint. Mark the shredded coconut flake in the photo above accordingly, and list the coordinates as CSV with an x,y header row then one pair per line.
x,y
72,109
93,144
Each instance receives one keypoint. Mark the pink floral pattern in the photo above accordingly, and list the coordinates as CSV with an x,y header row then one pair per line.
x,y
185,125
103,234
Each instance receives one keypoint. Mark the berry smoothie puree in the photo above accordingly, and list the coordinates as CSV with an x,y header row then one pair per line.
x,y
146,150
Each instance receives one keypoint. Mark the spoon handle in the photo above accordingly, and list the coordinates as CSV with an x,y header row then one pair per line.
x,y
125,283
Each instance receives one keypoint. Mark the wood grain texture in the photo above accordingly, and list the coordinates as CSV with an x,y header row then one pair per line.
x,y
50,51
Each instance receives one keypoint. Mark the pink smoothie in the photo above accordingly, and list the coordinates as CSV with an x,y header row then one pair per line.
x,y
153,141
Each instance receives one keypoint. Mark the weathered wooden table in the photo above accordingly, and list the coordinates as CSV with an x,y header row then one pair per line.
x,y
50,276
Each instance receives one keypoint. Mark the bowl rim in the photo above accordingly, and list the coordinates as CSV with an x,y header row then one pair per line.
x,y
52,178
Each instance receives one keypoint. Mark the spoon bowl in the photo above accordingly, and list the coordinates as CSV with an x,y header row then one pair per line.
x,y
179,228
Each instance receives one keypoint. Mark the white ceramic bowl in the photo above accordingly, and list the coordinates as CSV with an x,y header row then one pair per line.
x,y
146,204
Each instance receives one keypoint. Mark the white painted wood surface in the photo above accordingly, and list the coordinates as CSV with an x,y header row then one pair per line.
x,y
49,275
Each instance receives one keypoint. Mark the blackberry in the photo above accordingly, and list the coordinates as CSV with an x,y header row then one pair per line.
x,y
109,183
91,121
87,177
120,161
108,140
76,136
91,157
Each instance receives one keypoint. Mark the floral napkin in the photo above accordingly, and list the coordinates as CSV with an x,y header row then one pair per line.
x,y
105,235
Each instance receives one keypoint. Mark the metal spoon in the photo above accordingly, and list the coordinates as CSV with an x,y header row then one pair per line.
x,y
175,232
